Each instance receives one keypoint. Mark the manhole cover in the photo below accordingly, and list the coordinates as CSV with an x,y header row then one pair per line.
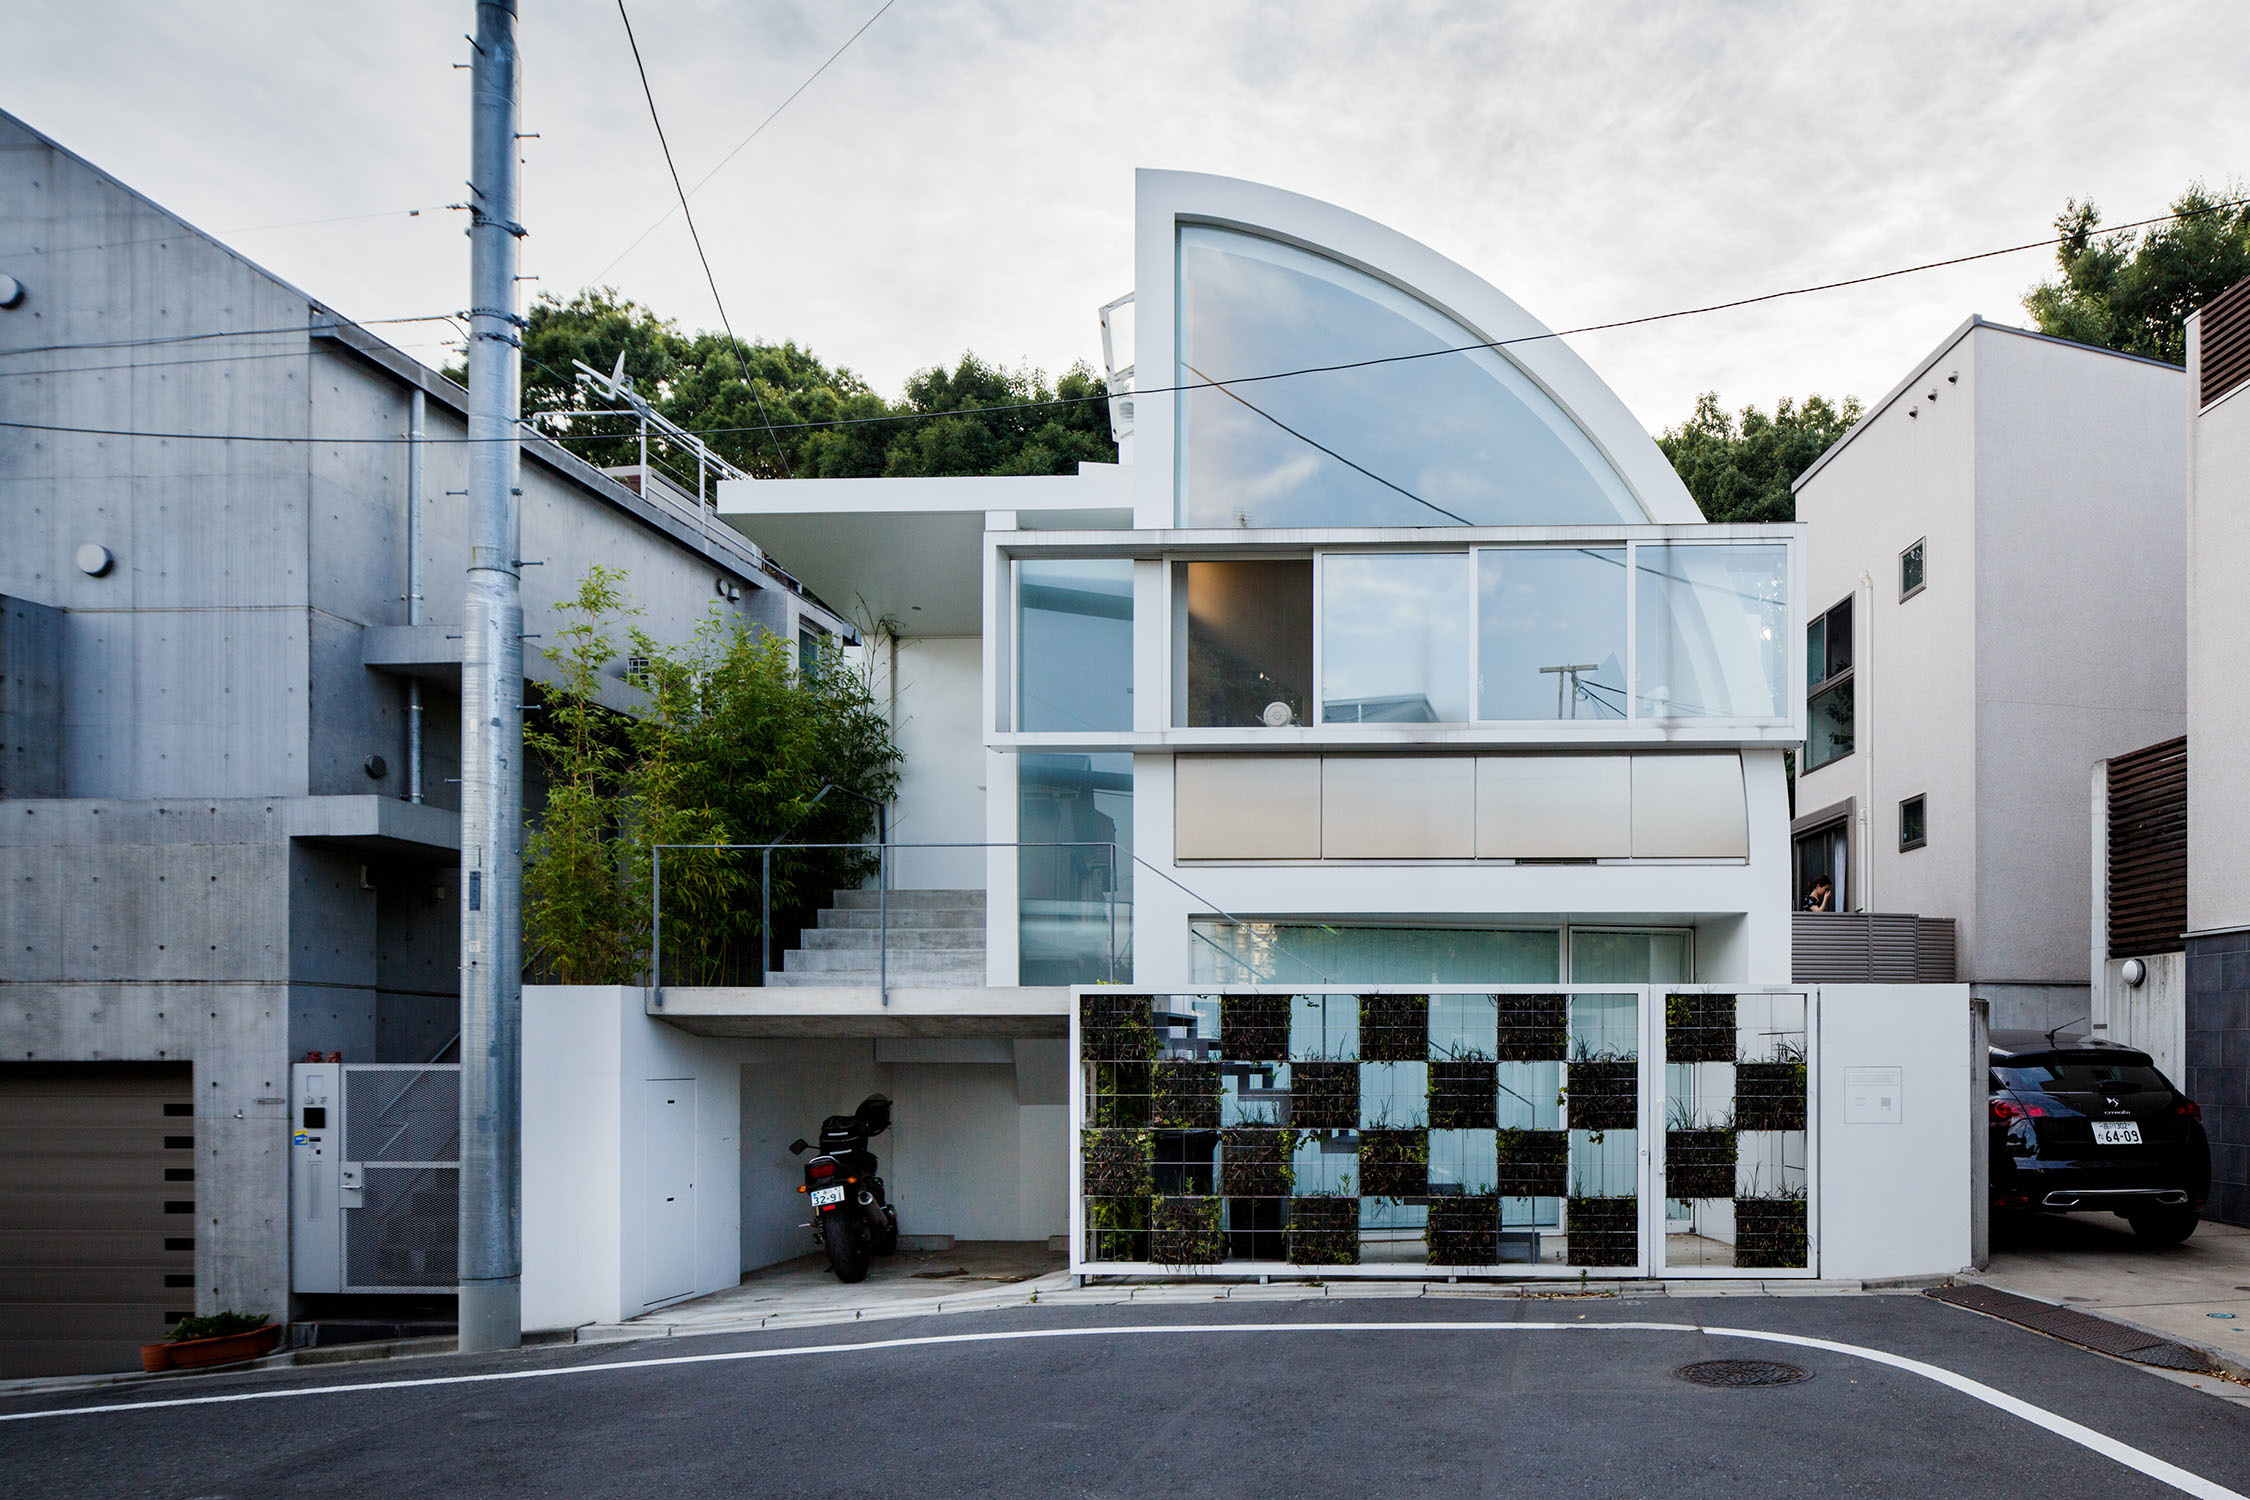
x,y
1742,1372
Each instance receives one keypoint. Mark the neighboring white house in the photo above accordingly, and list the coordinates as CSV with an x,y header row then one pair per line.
x,y
1993,604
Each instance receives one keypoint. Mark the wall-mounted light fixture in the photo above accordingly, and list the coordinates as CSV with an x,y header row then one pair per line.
x,y
94,560
2134,973
11,291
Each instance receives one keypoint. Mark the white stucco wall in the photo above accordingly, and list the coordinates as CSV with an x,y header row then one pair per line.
x,y
588,1054
2081,625
2049,633
1896,1199
2218,643
932,686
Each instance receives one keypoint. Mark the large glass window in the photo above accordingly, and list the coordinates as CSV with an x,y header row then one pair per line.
x,y
1246,643
1551,633
1074,644
1710,633
1658,956
1224,952
1394,638
1453,439
1075,891
1828,687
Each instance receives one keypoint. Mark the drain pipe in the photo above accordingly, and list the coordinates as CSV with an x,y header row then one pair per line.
x,y
414,588
1863,722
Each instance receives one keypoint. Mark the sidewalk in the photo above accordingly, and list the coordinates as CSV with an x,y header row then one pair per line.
x,y
2197,1293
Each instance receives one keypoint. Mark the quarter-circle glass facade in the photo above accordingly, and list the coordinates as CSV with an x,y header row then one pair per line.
x,y
1420,438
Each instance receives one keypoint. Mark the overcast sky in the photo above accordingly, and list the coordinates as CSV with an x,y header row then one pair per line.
x,y
961,178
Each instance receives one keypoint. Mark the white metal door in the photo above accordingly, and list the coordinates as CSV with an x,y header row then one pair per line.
x,y
669,1172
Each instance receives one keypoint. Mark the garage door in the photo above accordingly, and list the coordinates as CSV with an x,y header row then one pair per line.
x,y
97,1213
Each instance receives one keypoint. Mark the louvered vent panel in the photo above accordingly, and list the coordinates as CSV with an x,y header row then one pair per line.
x,y
2148,850
2226,341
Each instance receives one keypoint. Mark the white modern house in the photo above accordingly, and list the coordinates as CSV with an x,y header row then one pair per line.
x,y
1390,669
1993,605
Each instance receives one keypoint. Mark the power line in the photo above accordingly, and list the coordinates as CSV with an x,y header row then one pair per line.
x,y
1063,401
666,216
217,333
709,280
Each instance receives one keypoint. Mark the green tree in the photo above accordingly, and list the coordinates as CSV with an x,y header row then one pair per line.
x,y
2134,291
827,422
730,744
1740,469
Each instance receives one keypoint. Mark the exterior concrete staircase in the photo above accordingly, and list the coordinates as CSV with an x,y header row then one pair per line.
x,y
936,939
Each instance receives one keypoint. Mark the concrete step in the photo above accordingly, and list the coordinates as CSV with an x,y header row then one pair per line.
x,y
911,900
829,961
903,918
903,939
907,979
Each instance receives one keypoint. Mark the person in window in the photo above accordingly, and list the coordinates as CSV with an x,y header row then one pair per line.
x,y
1822,896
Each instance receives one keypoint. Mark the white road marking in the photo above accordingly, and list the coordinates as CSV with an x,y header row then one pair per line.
x,y
2086,1437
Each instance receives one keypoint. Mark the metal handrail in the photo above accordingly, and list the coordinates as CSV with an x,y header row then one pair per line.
x,y
882,857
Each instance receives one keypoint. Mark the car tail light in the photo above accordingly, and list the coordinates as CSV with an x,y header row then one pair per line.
x,y
2004,1110
2190,1108
821,1169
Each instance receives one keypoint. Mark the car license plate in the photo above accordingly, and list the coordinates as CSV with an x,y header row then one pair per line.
x,y
822,1197
2117,1133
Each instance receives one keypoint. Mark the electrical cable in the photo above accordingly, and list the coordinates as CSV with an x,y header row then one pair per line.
x,y
741,361
1065,401
666,217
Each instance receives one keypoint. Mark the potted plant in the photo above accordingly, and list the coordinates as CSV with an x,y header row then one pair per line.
x,y
1769,1233
1254,1028
1464,1229
1533,1163
1116,1028
1699,1028
1603,1231
1324,1230
1603,1091
1394,1028
1533,1028
1254,1162
1771,1095
1184,1095
1394,1163
1464,1091
1324,1095
1186,1232
223,1338
1699,1154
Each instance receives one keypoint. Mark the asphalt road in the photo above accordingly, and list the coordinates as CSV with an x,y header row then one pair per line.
x,y
1355,1411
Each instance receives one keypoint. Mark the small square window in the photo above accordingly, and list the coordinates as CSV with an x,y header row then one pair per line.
x,y
1910,570
1913,824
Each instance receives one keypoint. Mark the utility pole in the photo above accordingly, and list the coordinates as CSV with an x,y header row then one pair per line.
x,y
491,1246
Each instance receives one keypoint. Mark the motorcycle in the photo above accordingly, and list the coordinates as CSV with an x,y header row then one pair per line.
x,y
852,1220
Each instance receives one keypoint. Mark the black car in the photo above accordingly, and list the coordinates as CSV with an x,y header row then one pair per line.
x,y
2089,1126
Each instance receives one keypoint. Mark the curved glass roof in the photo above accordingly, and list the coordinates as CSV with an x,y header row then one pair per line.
x,y
1463,439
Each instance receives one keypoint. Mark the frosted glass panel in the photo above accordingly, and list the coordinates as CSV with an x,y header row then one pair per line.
x,y
1551,633
1660,957
1394,638
1304,953
1712,631
1455,439
1074,643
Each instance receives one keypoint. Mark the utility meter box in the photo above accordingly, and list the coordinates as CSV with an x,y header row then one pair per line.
x,y
374,1176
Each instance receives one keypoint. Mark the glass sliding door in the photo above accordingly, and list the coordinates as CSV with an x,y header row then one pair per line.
x,y
1551,633
1394,638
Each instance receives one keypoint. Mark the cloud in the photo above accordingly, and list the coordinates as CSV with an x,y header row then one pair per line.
x,y
962,178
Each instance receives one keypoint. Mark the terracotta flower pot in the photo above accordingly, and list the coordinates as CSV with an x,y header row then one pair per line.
x,y
226,1349
156,1357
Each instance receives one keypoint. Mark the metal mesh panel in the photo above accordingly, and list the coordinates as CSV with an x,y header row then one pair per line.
x,y
406,1231
402,1114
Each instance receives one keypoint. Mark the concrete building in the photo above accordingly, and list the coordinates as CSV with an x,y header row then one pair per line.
x,y
1414,696
1993,605
212,862
2217,937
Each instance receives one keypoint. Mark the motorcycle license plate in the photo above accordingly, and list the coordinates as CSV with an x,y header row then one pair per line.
x,y
822,1197
2117,1133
